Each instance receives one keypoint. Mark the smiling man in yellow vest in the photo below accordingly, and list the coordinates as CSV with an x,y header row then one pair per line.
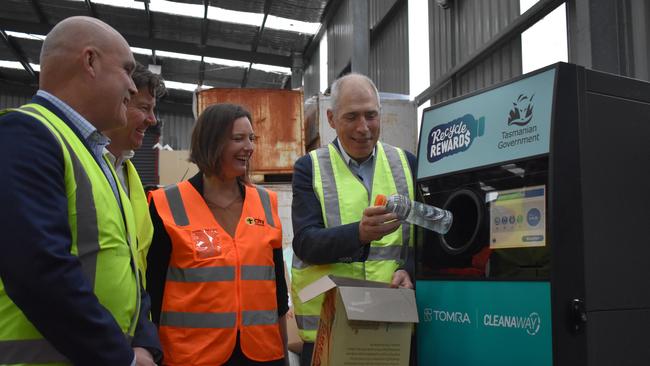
x,y
140,116
337,230
70,290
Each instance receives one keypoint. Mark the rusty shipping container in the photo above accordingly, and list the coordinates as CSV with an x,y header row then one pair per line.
x,y
277,121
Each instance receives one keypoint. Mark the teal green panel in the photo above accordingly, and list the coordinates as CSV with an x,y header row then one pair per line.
x,y
469,323
506,123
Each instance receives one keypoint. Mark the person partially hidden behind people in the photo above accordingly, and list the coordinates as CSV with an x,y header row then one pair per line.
x,y
337,229
140,116
70,290
215,268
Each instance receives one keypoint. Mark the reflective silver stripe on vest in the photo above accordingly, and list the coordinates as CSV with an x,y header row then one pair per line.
x,y
176,205
203,274
330,193
397,170
261,273
259,317
87,231
307,322
198,320
29,351
266,204
385,253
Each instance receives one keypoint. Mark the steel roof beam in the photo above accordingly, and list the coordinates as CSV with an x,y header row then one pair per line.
x,y
256,41
39,12
204,38
91,9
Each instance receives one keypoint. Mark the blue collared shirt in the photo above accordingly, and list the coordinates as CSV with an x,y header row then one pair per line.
x,y
95,140
364,170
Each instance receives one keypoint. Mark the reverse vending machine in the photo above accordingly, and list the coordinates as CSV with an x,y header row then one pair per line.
x,y
548,259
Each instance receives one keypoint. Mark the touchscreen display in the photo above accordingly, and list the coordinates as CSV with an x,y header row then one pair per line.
x,y
518,218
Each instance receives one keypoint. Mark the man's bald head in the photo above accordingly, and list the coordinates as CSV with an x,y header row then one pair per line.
x,y
69,37
88,65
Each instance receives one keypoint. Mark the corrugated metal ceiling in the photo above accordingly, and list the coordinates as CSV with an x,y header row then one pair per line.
x,y
175,33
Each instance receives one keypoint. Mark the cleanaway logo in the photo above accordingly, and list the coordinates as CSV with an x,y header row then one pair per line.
x,y
453,137
530,323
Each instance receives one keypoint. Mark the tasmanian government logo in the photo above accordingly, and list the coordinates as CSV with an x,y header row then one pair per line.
x,y
522,111
530,323
454,137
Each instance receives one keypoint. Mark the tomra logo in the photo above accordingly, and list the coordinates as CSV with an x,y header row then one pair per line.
x,y
454,137
530,323
522,111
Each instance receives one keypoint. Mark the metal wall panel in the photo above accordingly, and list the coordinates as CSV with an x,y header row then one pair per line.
x,y
389,53
11,100
339,41
459,31
640,20
145,159
377,9
311,77
177,130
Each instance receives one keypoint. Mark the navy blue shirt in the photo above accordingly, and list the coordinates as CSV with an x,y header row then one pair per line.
x,y
39,273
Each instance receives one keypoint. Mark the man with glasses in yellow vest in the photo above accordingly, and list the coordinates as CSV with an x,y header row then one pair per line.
x,y
70,290
337,230
140,116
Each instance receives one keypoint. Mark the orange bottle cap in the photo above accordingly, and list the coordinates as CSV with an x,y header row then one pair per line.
x,y
380,200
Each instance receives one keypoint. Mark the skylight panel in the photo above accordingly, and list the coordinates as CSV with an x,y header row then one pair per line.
x,y
131,4
222,61
17,65
291,25
26,35
175,8
141,51
272,68
183,56
184,86
237,17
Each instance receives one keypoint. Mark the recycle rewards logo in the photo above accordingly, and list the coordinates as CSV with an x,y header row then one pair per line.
x,y
454,137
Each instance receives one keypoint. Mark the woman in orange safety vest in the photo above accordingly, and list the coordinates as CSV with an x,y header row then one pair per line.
x,y
215,271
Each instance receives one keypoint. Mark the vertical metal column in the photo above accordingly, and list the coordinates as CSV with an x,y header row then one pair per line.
x,y
609,36
360,36
296,70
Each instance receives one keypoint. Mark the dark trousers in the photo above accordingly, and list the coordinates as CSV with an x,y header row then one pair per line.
x,y
305,355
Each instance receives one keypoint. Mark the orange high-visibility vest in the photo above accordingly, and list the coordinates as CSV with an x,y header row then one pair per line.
x,y
218,285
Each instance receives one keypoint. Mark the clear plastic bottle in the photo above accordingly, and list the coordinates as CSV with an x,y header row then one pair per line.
x,y
418,213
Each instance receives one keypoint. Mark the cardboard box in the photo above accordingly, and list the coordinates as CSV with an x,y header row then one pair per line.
x,y
362,322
